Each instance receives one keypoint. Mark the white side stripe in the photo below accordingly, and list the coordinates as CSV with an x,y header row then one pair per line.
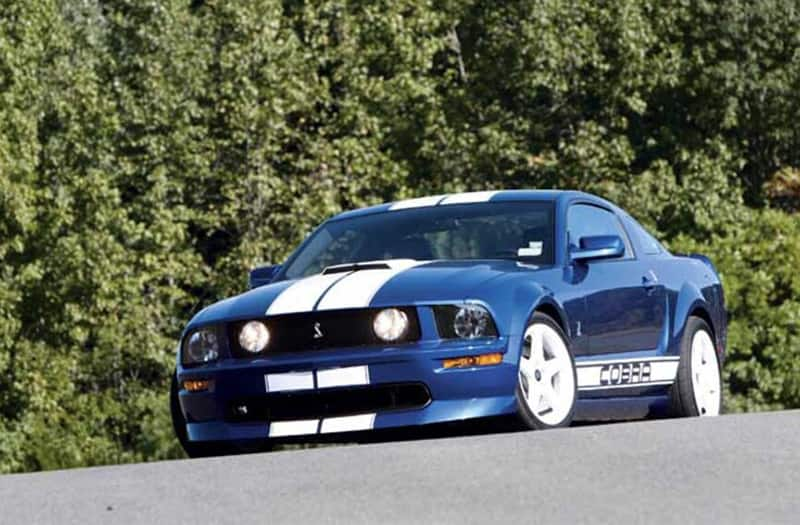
x,y
293,428
626,360
289,381
348,423
348,376
468,198
421,202
302,295
357,289
629,385
626,372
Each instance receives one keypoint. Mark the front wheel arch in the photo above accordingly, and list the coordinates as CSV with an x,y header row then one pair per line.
x,y
553,312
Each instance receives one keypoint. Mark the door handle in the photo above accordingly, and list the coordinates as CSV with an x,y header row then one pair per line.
x,y
650,281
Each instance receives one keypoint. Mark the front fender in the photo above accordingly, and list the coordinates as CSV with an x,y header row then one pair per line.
x,y
527,298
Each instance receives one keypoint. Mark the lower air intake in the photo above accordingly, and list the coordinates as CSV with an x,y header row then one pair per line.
x,y
316,404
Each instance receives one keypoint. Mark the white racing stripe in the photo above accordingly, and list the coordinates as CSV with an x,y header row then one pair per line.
x,y
357,289
626,372
303,295
327,378
421,202
348,423
289,381
331,425
469,198
293,428
347,376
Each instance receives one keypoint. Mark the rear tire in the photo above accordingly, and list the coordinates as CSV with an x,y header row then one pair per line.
x,y
547,384
698,386
204,449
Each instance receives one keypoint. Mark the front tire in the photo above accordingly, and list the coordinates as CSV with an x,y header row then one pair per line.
x,y
698,387
547,381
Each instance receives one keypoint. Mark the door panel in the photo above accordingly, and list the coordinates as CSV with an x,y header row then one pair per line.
x,y
624,302
624,313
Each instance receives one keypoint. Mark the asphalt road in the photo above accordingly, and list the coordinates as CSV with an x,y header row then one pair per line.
x,y
732,469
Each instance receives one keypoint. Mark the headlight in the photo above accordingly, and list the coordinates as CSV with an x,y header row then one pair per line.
x,y
390,324
201,347
254,337
469,321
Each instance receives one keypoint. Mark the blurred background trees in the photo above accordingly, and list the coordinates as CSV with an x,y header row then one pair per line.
x,y
151,152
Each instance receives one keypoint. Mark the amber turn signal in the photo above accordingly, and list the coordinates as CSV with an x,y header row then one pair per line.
x,y
473,360
197,385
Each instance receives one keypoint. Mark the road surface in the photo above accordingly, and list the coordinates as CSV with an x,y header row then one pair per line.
x,y
732,469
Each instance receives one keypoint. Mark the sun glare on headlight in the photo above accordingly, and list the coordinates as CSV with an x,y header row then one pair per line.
x,y
254,337
390,324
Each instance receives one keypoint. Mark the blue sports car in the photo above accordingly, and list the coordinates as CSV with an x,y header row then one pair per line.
x,y
547,306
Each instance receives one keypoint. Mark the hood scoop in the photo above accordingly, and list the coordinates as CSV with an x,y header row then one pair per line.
x,y
354,267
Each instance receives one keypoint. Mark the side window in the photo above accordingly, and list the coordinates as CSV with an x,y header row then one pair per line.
x,y
649,245
585,220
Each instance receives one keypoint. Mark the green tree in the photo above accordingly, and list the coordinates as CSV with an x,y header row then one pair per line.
x,y
152,152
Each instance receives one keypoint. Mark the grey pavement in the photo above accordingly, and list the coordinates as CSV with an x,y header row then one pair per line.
x,y
732,469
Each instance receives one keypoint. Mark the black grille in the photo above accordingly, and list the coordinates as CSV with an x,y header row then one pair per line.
x,y
338,329
316,404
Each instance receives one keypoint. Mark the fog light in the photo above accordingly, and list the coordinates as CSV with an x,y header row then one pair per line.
x,y
473,360
198,385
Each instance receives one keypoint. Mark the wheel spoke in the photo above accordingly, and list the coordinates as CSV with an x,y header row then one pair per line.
x,y
545,403
537,348
526,387
550,396
527,368
551,367
553,397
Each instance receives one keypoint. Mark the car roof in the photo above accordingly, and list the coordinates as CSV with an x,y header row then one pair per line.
x,y
476,197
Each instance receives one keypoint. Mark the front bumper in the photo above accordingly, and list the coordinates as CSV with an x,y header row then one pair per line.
x,y
454,394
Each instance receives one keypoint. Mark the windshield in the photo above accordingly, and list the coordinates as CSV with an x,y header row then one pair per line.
x,y
499,230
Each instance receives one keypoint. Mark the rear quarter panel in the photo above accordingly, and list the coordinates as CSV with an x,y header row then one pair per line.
x,y
692,288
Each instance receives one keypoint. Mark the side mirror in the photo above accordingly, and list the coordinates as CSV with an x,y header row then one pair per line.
x,y
262,275
598,247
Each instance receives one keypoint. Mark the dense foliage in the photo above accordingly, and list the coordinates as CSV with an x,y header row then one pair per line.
x,y
152,151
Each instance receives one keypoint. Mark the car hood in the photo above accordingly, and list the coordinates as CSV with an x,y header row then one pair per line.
x,y
383,283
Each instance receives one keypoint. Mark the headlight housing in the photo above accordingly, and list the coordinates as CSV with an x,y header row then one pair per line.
x,y
254,337
468,321
390,324
200,346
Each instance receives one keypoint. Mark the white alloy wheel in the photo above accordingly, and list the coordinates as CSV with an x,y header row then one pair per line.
x,y
705,375
546,375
